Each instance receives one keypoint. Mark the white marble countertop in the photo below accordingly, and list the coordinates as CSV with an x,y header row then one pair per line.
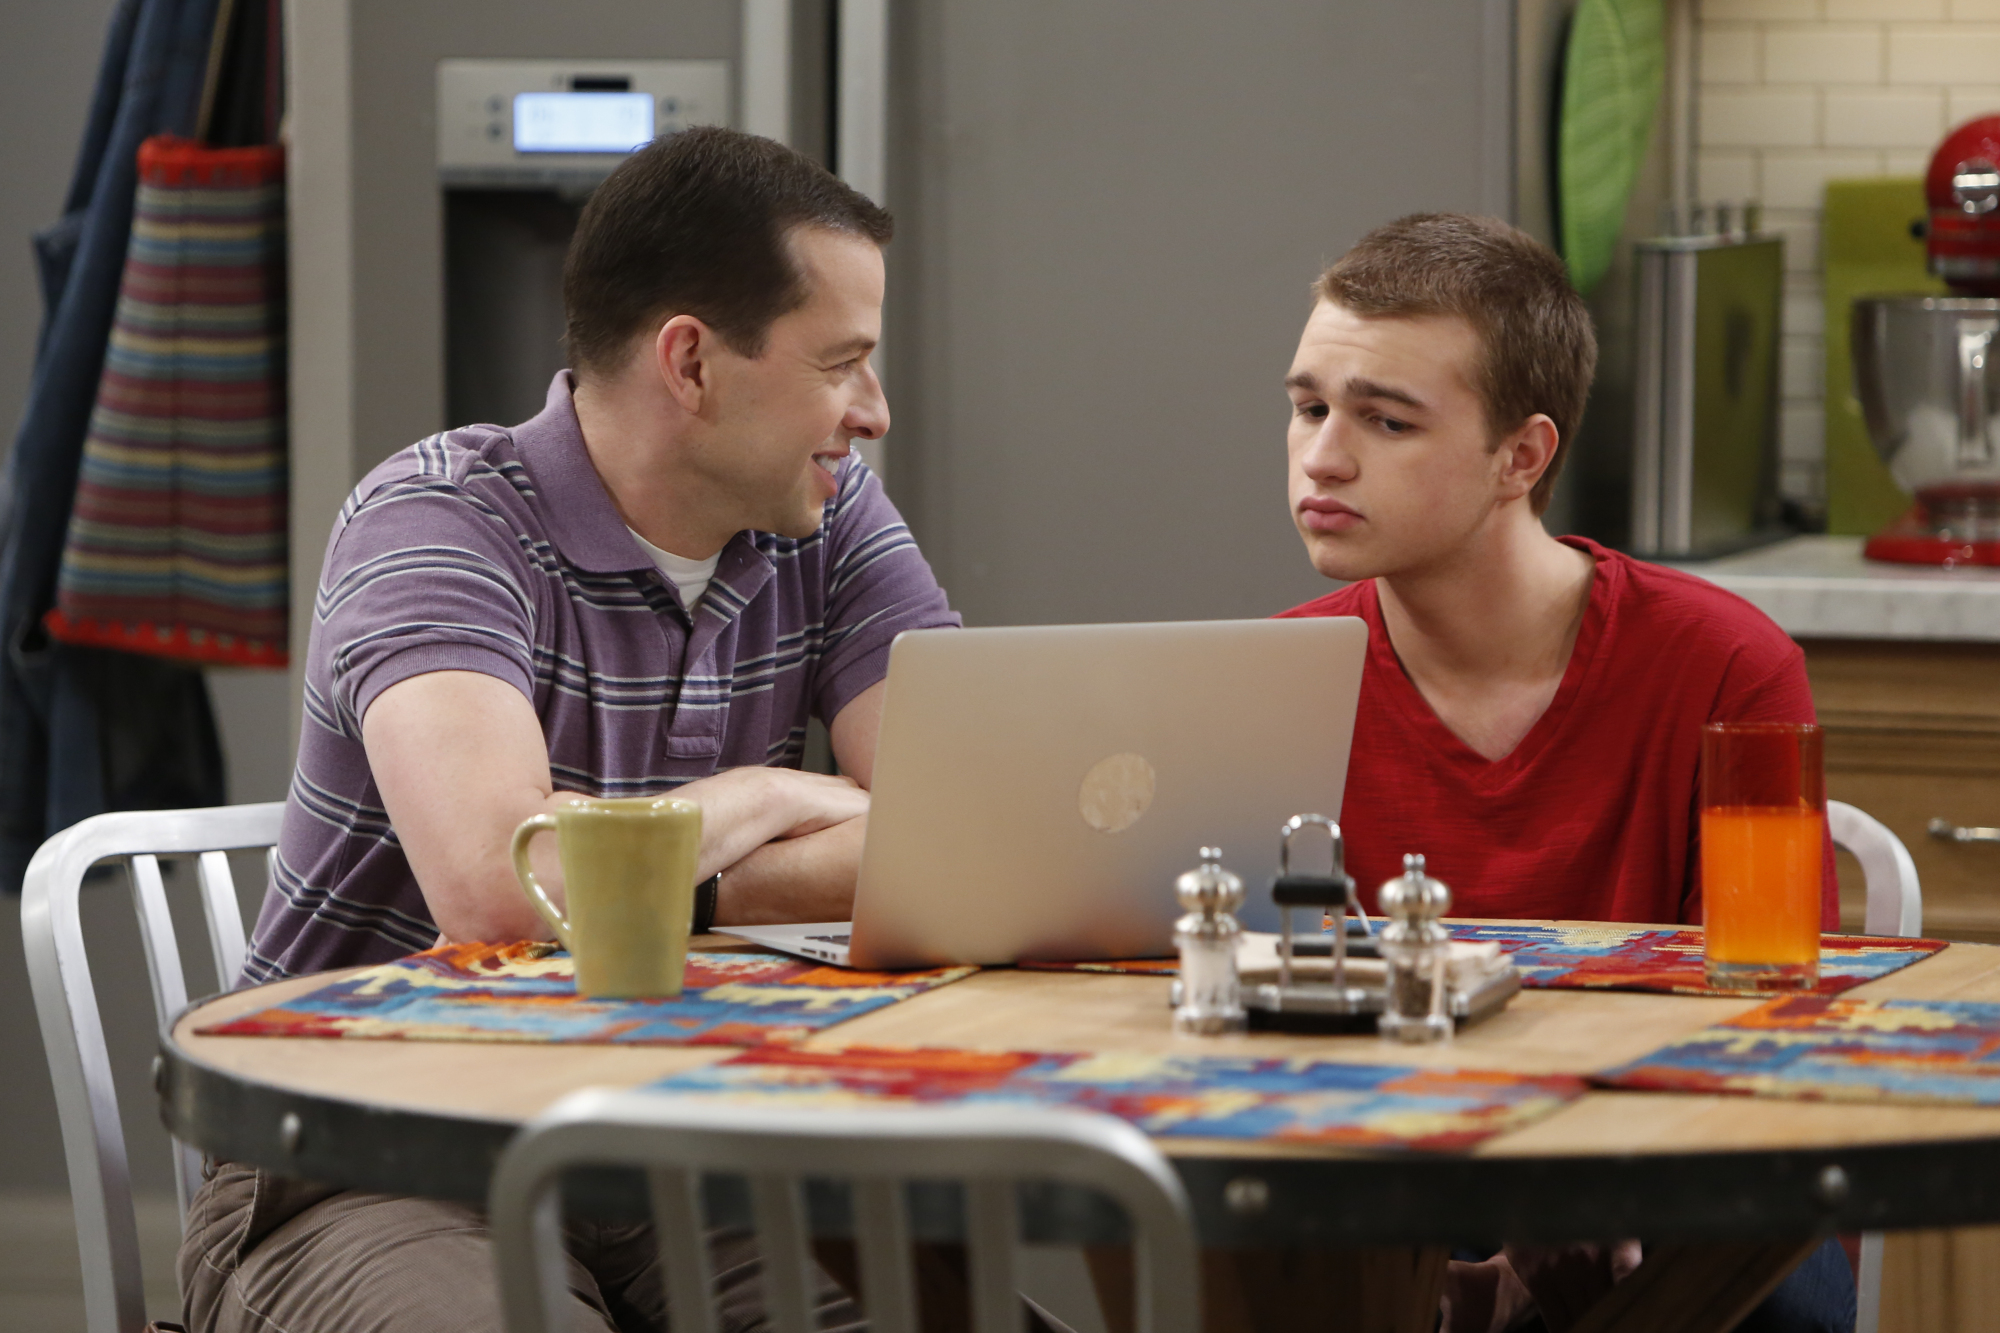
x,y
1822,588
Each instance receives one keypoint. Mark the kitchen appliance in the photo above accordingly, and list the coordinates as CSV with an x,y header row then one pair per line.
x,y
1923,367
520,145
1705,428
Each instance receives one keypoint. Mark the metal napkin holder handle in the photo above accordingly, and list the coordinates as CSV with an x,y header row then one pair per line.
x,y
1334,1000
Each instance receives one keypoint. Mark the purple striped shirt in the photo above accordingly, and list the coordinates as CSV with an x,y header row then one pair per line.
x,y
500,551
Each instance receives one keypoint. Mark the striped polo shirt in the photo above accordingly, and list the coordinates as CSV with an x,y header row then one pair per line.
x,y
500,551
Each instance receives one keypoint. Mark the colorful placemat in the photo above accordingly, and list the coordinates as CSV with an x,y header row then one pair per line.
x,y
1184,1096
1601,956
1584,955
1816,1048
526,992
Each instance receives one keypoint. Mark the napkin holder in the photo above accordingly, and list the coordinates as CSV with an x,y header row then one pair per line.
x,y
1327,998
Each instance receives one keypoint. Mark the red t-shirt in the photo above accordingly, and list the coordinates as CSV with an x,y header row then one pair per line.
x,y
1594,816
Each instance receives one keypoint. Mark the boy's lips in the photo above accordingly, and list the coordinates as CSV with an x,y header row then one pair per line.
x,y
1319,513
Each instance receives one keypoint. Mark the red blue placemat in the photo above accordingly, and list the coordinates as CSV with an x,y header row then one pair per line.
x,y
1598,956
1186,1096
526,992
1820,1048
1583,955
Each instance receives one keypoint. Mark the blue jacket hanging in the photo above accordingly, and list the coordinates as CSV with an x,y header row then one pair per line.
x,y
84,730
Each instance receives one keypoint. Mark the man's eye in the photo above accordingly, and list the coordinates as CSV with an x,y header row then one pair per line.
x,y
1311,411
1392,426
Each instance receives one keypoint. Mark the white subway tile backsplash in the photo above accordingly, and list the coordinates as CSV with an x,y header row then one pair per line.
x,y
1729,52
1801,239
1935,54
1802,432
1912,118
1887,10
1722,11
1734,119
1804,310
1905,164
1974,10
1802,367
1805,482
1798,179
1724,175
1962,104
1822,54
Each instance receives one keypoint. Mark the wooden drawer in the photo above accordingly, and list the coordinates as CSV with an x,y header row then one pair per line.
x,y
1912,734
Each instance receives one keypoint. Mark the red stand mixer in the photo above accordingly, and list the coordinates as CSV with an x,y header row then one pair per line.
x,y
1924,368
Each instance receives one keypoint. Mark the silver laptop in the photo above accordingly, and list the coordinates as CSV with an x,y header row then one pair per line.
x,y
1038,790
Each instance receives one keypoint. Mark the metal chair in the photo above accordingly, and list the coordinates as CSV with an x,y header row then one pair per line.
x,y
100,1180
990,1149
1895,907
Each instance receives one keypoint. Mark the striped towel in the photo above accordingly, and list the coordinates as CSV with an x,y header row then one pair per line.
x,y
176,540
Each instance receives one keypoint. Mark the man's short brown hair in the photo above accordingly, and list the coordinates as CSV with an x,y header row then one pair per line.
x,y
1539,350
696,223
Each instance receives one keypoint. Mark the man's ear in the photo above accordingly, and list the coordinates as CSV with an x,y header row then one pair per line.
x,y
1526,455
682,353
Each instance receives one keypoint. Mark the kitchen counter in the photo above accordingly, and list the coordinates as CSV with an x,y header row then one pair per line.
x,y
1822,588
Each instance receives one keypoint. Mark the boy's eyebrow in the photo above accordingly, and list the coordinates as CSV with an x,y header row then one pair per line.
x,y
1365,388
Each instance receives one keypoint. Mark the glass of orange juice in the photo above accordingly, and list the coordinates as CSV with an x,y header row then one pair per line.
x,y
1763,835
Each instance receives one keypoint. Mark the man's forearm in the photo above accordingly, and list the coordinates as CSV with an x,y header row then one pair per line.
x,y
808,878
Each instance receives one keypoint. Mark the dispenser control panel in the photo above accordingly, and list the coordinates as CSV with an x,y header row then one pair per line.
x,y
565,122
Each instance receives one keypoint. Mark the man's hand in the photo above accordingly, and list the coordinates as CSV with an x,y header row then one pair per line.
x,y
460,760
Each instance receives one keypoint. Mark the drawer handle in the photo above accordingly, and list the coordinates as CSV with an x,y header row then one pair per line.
x,y
1947,831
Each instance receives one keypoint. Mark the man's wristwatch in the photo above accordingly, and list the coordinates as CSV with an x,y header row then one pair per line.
x,y
704,904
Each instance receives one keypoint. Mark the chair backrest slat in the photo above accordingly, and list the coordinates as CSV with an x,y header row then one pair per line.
x,y
156,933
224,917
882,1236
677,1221
992,1228
787,1259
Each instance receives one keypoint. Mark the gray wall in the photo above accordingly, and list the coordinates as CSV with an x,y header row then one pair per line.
x,y
1109,218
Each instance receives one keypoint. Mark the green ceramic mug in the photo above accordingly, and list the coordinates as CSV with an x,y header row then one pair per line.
x,y
628,865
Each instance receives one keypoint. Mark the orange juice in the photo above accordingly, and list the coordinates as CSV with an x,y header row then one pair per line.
x,y
1760,886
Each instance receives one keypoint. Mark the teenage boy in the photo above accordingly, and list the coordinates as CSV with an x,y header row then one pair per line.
x,y
650,587
1531,707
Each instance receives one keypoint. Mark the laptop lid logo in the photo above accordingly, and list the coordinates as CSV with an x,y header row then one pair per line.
x,y
1116,792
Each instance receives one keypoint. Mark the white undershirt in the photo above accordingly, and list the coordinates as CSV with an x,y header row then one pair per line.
x,y
690,576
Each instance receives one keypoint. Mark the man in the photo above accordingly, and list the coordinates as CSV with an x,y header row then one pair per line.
x,y
1531,707
651,586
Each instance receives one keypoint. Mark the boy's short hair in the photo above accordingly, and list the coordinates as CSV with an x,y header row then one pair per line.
x,y
695,223
1539,348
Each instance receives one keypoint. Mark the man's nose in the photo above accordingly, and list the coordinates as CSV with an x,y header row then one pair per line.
x,y
868,415
1327,456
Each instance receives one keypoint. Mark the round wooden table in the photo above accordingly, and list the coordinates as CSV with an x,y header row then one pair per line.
x,y
1716,1185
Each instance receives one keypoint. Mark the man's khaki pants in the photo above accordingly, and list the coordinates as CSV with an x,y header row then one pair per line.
x,y
263,1254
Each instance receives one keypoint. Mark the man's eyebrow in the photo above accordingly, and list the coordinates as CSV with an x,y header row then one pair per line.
x,y
1302,379
1365,388
852,347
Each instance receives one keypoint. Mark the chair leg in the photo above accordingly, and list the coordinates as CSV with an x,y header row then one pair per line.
x,y
1868,1284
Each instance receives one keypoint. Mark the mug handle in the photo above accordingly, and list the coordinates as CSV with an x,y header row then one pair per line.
x,y
531,886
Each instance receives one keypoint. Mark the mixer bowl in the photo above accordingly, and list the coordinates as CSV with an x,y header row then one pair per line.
x,y
1924,371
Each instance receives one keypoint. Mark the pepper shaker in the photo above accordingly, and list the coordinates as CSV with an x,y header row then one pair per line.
x,y
1211,993
1417,950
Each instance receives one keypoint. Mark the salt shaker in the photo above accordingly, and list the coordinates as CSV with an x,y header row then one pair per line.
x,y
1417,950
1211,996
